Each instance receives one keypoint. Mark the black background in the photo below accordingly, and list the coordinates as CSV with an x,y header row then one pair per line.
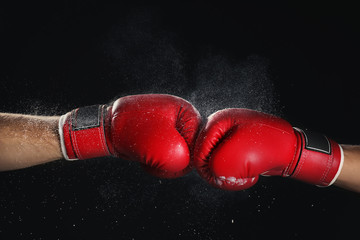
x,y
297,60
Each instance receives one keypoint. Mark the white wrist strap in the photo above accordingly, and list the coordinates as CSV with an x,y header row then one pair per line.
x,y
340,166
61,133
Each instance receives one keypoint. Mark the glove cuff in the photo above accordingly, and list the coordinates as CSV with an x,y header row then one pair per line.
x,y
320,159
82,133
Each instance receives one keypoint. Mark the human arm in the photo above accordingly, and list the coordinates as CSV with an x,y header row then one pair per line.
x,y
27,140
349,177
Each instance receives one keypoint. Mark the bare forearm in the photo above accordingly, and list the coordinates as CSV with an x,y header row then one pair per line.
x,y
27,140
349,177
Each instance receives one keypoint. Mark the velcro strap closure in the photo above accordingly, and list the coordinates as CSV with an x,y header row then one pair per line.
x,y
315,141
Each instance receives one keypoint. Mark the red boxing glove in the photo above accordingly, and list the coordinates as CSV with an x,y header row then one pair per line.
x,y
156,130
238,145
